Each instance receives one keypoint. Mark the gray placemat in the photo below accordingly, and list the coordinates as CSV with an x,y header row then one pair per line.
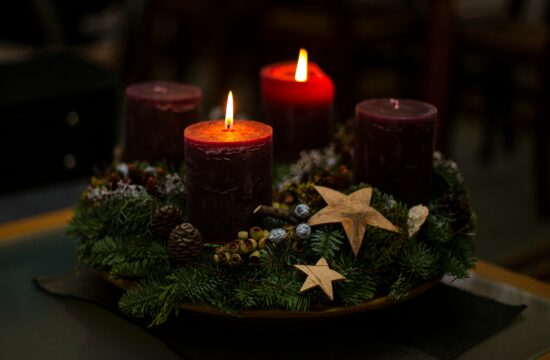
x,y
439,324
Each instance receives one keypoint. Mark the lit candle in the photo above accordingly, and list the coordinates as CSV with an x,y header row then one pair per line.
x,y
394,147
228,174
297,99
156,115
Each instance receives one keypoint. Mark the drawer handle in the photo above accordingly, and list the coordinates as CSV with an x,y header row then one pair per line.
x,y
69,161
72,118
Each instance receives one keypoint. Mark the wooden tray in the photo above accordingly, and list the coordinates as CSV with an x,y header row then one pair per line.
x,y
325,312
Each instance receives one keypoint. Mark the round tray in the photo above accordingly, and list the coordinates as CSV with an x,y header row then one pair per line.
x,y
321,312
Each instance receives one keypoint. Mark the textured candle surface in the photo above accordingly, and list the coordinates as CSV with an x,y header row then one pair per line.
x,y
156,115
229,173
300,112
394,147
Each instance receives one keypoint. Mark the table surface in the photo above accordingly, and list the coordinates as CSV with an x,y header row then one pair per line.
x,y
36,325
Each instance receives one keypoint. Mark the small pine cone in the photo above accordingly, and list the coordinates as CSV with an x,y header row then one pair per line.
x,y
153,187
185,243
137,175
459,209
114,178
342,179
164,221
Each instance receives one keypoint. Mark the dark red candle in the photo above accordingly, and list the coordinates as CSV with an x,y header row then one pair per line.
x,y
300,111
394,147
228,175
156,114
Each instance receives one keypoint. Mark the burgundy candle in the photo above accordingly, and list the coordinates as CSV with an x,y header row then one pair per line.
x,y
394,147
297,102
228,175
156,114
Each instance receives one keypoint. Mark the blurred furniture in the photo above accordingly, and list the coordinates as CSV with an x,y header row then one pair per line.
x,y
58,117
344,37
508,43
166,36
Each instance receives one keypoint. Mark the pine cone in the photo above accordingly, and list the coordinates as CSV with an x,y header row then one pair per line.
x,y
185,243
137,175
459,209
114,178
164,221
340,180
153,187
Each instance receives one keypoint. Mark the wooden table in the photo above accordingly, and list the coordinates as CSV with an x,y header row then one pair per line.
x,y
37,325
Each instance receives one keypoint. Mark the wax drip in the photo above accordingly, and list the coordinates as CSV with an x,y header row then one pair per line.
x,y
160,89
395,103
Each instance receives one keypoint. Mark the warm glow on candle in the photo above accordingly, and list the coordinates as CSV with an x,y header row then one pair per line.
x,y
301,67
229,112
395,103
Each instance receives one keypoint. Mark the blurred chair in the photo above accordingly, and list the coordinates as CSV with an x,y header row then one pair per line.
x,y
508,43
58,98
58,119
167,35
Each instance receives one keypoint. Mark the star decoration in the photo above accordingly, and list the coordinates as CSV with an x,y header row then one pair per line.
x,y
353,211
319,275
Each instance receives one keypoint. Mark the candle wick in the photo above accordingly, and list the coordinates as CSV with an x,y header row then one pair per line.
x,y
395,103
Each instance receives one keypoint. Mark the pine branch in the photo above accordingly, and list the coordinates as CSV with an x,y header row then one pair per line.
x,y
126,257
326,242
419,261
144,300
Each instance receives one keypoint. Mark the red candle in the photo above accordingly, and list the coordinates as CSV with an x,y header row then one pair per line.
x,y
228,174
156,114
394,147
297,100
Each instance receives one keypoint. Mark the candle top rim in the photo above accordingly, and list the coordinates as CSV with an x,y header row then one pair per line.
x,y
286,70
214,132
163,91
386,108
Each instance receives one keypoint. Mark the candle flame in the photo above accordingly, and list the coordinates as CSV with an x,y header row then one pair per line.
x,y
301,67
229,112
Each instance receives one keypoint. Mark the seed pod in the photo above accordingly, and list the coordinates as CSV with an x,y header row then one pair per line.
x,y
262,243
302,231
256,233
277,235
235,260
254,258
247,246
302,211
218,259
242,235
232,247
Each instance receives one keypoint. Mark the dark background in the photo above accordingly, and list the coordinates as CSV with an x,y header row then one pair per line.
x,y
484,64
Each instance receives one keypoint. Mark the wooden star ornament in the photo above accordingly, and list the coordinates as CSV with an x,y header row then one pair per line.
x,y
353,211
320,275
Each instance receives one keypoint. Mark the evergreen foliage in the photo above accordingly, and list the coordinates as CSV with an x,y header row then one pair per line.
x,y
112,228
326,242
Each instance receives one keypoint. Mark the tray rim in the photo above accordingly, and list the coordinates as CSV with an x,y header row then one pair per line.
x,y
325,312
